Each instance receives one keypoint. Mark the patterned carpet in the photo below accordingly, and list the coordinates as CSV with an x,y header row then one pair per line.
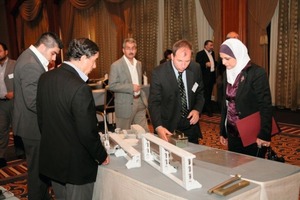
x,y
15,170
287,144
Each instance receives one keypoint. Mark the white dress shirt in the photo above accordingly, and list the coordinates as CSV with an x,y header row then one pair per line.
x,y
133,72
211,60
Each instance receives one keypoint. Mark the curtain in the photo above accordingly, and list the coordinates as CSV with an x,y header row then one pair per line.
x,y
83,4
273,53
288,61
204,30
32,22
107,38
30,9
66,19
259,16
180,23
212,12
120,14
96,24
144,29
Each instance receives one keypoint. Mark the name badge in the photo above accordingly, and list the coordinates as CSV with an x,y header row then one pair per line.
x,y
195,86
10,76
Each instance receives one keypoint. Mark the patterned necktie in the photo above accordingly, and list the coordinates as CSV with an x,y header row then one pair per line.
x,y
184,110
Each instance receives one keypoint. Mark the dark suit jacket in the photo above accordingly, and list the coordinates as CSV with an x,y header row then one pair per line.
x,y
70,147
27,72
9,75
164,98
202,58
253,95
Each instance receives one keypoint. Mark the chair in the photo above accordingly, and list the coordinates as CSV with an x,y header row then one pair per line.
x,y
107,107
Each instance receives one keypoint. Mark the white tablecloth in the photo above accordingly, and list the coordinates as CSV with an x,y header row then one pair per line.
x,y
268,179
99,95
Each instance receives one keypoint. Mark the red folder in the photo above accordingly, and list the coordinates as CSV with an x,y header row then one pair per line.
x,y
249,128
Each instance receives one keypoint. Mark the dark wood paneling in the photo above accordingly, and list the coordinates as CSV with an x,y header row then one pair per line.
x,y
234,17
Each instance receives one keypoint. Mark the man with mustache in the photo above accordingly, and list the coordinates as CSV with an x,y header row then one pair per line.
x,y
125,80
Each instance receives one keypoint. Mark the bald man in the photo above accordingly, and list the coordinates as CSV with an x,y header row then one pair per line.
x,y
232,34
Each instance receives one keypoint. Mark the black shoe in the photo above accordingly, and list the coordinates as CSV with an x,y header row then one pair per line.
x,y
22,156
2,162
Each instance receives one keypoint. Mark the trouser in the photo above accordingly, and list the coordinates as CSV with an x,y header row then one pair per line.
x,y
193,132
37,185
235,144
72,192
208,88
138,116
5,122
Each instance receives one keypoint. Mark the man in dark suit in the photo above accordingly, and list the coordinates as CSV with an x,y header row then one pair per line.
x,y
71,149
206,59
30,65
165,102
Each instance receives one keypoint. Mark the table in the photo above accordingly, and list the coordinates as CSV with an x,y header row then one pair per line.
x,y
95,86
268,179
99,95
7,194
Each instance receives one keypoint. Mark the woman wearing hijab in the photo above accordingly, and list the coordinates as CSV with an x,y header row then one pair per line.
x,y
247,91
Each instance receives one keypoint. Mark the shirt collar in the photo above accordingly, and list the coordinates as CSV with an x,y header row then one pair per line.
x,y
128,62
40,56
207,51
176,71
81,74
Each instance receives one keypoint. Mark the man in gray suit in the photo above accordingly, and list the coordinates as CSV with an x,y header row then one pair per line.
x,y
7,67
125,81
30,65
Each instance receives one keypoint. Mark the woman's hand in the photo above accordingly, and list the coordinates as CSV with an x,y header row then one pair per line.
x,y
262,143
223,140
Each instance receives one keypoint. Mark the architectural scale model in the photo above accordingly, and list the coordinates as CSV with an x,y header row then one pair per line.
x,y
126,150
122,147
161,162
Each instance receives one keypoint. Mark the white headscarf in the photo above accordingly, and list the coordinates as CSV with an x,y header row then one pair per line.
x,y
240,53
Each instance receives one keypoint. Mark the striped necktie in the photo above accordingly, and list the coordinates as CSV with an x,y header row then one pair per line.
x,y
184,110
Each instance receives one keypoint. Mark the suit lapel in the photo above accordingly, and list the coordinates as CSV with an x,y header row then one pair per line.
x,y
190,82
126,70
7,70
172,77
37,59
241,84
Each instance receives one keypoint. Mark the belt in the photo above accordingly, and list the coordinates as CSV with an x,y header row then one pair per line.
x,y
136,97
4,99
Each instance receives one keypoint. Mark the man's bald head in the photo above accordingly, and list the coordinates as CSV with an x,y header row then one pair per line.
x,y
232,34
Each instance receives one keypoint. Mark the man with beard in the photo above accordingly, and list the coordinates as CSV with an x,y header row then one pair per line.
x,y
7,67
